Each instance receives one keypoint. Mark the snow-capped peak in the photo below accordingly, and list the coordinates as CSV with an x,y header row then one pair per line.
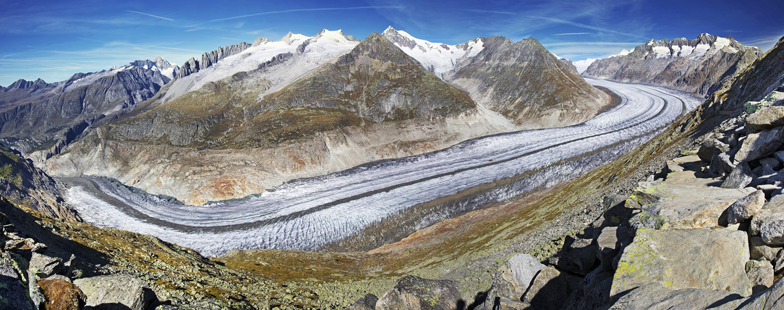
x,y
438,58
290,38
336,36
582,65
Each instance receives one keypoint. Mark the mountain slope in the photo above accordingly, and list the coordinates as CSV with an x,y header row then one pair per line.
x,y
525,83
37,116
253,130
699,66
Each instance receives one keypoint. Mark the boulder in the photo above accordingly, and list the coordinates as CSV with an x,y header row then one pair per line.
x,y
610,242
513,279
759,250
780,156
657,296
760,273
746,207
692,258
551,289
416,293
62,295
579,255
771,162
45,266
778,263
367,302
114,289
772,230
36,295
739,177
758,145
766,118
12,292
772,298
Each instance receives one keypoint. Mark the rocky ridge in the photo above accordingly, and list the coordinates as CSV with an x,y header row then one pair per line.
x,y
700,66
41,119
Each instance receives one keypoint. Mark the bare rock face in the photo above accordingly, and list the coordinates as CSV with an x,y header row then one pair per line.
x,y
760,274
759,145
416,293
699,66
114,289
513,280
657,296
715,260
746,207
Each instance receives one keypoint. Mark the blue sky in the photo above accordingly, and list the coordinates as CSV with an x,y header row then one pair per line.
x,y
55,39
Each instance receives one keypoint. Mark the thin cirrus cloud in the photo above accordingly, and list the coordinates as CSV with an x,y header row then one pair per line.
x,y
156,16
307,10
572,33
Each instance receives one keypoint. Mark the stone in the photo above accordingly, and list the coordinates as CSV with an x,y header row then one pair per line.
x,y
62,295
367,302
114,289
610,242
778,263
739,177
766,118
59,277
780,156
772,298
721,163
13,295
596,289
746,207
657,296
13,244
758,145
45,266
691,258
760,273
770,189
759,250
771,162
772,231
513,279
551,288
415,293
579,255
640,198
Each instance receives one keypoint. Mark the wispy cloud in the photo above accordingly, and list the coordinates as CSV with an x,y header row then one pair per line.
x,y
571,23
308,10
492,12
156,16
572,33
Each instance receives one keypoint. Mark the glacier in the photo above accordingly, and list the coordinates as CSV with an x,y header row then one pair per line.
x,y
308,214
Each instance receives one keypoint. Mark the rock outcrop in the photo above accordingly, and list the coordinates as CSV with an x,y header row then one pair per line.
x,y
700,66
209,58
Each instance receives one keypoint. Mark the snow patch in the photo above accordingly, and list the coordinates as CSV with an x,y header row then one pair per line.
x,y
438,58
661,52
700,51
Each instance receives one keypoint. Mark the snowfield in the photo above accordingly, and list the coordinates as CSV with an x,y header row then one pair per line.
x,y
310,213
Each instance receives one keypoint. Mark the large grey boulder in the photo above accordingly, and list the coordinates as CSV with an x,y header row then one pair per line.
x,y
772,231
739,177
579,255
766,118
416,293
610,242
45,266
758,145
551,289
116,290
760,274
693,258
746,207
770,299
656,296
687,207
513,279
758,249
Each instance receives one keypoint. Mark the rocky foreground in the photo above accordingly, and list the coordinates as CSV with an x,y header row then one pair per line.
x,y
707,235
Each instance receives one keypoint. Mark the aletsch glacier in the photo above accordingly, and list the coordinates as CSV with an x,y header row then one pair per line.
x,y
310,213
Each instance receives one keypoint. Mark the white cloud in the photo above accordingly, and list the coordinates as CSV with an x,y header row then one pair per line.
x,y
156,16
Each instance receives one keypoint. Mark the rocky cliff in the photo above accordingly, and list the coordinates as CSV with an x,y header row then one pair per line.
x,y
208,59
700,66
44,118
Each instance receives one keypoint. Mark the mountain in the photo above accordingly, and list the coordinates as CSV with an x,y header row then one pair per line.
x,y
523,82
698,66
24,184
279,110
43,118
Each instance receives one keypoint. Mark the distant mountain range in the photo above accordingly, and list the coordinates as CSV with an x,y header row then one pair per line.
x,y
700,66
248,117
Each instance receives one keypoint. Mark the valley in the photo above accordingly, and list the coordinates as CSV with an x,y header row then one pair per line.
x,y
309,214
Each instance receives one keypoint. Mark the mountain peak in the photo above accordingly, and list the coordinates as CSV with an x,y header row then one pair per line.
x,y
290,38
259,41
376,46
